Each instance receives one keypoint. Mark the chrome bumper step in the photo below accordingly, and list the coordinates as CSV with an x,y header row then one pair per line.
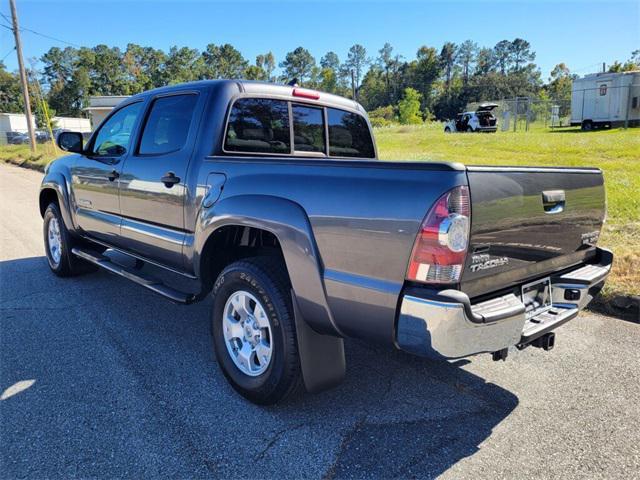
x,y
138,277
545,322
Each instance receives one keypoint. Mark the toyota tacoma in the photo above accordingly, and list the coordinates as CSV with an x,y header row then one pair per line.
x,y
271,199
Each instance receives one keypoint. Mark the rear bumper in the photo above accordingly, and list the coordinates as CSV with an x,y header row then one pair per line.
x,y
447,325
487,129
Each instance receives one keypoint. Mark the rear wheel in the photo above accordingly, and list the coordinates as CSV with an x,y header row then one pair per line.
x,y
587,126
254,331
58,244
447,130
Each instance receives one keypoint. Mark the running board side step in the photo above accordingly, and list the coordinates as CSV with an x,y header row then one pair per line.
x,y
148,282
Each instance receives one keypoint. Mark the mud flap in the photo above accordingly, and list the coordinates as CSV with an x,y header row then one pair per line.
x,y
321,356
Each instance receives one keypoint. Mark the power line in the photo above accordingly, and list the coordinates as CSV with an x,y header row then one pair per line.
x,y
8,53
25,29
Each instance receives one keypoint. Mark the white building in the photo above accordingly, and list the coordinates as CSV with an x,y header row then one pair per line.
x,y
99,107
73,124
606,100
12,123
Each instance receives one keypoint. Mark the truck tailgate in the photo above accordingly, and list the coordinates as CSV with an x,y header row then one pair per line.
x,y
529,222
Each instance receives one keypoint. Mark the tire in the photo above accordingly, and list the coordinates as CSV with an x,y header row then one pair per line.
x,y
58,244
260,283
587,126
447,130
469,129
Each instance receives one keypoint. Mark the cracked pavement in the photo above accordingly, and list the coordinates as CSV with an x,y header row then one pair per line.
x,y
126,385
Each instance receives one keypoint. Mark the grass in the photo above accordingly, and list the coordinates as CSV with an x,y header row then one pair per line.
x,y
21,155
616,152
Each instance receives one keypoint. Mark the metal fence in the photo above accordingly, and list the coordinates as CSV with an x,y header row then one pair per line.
x,y
524,113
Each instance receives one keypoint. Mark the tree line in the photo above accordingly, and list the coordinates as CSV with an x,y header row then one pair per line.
x,y
437,83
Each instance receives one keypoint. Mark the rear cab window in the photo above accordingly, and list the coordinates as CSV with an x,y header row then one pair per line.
x,y
283,127
258,125
349,135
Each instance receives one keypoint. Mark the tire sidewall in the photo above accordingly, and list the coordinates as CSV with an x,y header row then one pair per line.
x,y
51,213
231,280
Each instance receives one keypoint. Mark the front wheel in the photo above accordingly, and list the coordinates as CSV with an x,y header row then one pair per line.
x,y
254,331
58,243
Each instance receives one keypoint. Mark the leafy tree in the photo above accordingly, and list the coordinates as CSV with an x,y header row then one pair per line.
x,y
466,58
267,63
331,61
559,86
520,53
356,62
143,67
409,107
298,64
223,61
10,91
183,65
502,53
485,61
448,60
373,91
425,71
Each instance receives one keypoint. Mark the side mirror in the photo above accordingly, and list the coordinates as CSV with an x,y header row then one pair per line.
x,y
70,142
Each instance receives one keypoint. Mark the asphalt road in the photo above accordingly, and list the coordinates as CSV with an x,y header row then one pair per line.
x,y
101,379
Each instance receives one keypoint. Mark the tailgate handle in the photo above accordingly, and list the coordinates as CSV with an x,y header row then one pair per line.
x,y
553,201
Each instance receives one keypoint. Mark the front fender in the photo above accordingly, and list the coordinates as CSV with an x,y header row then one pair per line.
x,y
57,181
289,223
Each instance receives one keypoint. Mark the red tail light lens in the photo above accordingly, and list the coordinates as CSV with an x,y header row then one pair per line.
x,y
441,245
305,93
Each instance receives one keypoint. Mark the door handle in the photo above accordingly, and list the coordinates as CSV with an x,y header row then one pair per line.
x,y
113,175
170,179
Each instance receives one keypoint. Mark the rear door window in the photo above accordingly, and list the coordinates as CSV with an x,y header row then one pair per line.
x,y
349,135
308,129
258,125
168,124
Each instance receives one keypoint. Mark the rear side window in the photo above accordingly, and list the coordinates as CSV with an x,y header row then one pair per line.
x,y
258,125
349,135
308,129
168,124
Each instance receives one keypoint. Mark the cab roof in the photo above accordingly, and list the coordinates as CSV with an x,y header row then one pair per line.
x,y
256,88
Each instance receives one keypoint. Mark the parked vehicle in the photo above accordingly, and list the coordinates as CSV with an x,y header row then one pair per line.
x,y
271,199
606,100
481,120
17,138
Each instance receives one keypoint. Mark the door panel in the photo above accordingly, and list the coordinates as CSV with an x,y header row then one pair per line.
x,y
95,175
152,183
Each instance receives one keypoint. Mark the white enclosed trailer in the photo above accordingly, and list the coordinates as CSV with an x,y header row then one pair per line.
x,y
606,100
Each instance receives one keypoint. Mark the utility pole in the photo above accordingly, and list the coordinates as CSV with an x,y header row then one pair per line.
x,y
354,91
23,76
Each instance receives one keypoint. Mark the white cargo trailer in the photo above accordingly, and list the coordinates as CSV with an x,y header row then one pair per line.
x,y
606,100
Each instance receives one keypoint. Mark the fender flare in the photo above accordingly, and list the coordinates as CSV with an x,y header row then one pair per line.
x,y
57,182
289,223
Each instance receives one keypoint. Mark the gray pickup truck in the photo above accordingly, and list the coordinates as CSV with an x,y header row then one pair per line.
x,y
270,198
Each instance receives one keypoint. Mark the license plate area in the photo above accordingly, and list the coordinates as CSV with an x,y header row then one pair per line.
x,y
536,297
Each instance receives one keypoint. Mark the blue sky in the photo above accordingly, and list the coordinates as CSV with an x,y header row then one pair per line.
x,y
582,34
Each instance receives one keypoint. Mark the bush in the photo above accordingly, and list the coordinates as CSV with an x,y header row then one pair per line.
x,y
409,107
383,116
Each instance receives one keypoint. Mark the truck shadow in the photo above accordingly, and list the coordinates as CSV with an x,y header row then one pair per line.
x,y
126,385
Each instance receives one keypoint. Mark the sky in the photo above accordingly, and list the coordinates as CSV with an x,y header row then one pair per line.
x,y
582,34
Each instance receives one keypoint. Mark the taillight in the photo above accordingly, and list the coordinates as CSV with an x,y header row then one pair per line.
x,y
441,245
305,93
